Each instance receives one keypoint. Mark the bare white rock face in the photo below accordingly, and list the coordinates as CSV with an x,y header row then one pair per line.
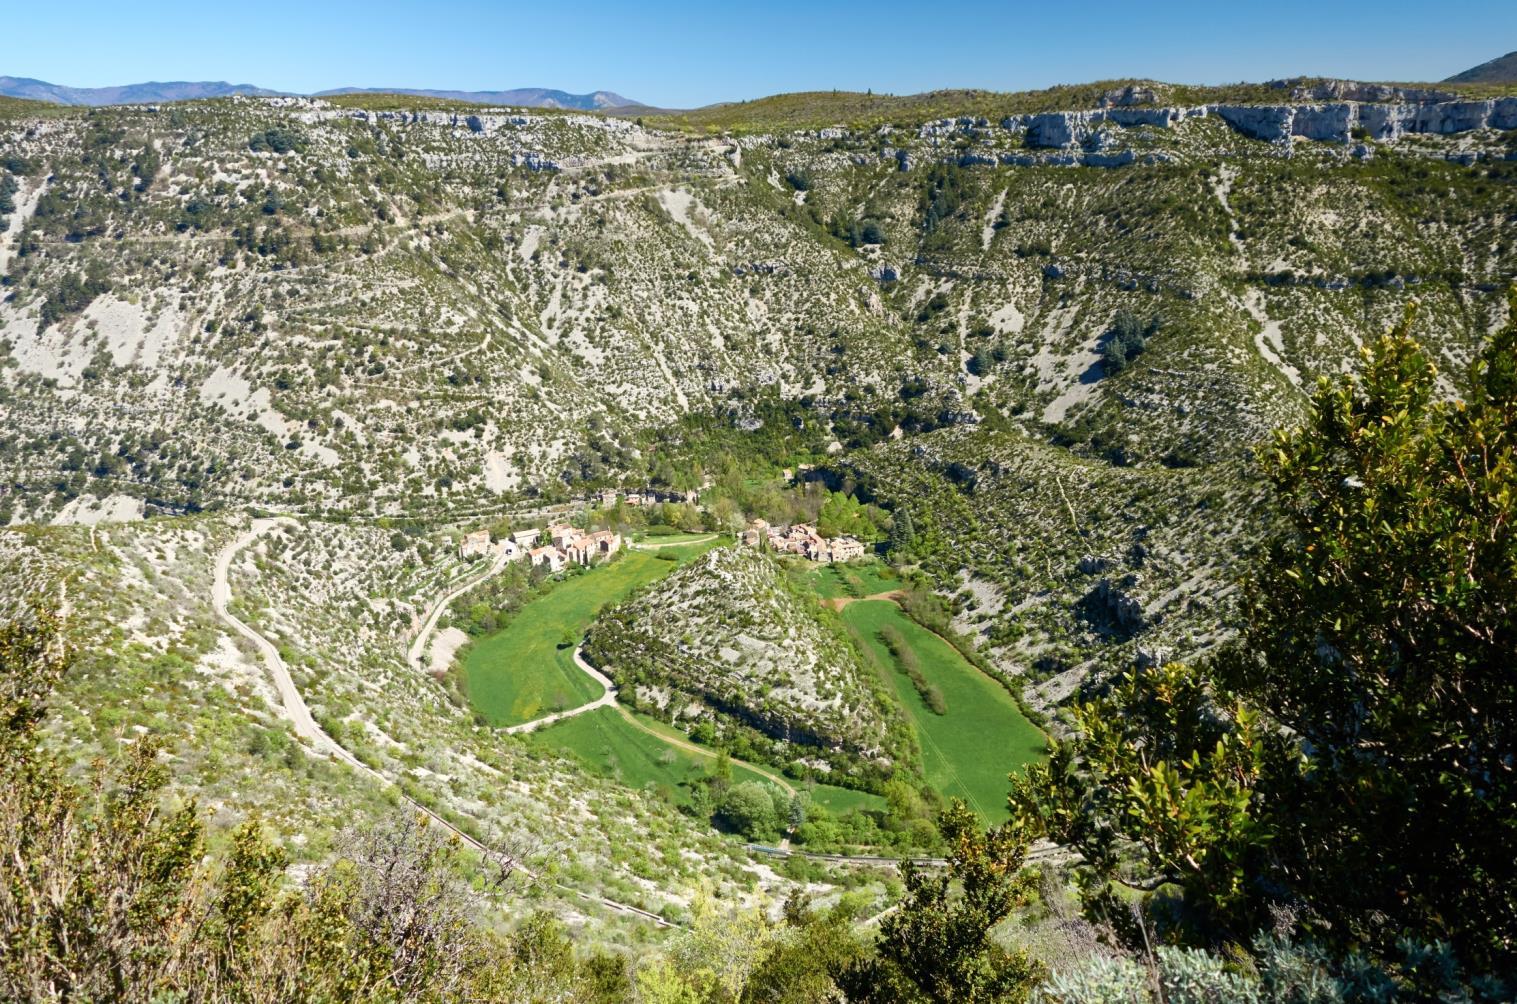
x,y
1332,122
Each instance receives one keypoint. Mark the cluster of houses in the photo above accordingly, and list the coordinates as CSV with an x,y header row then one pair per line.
x,y
557,547
648,496
802,539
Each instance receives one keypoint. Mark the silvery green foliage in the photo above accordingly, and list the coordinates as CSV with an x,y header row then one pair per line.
x,y
1099,980
1182,976
1288,973
1191,976
1298,973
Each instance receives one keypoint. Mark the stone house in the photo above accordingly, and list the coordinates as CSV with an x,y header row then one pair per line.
x,y
817,548
475,544
525,538
580,549
548,555
607,542
847,549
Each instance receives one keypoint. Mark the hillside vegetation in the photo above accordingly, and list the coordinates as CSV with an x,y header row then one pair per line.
x,y
1099,374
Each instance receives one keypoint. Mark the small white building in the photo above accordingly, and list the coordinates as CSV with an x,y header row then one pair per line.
x,y
525,538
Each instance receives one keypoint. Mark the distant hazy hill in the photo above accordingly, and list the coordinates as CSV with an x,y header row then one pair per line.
x,y
153,91
127,94
1501,70
526,97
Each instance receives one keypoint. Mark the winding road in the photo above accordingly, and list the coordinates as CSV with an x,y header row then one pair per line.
x,y
605,700
306,727
419,645
608,700
299,713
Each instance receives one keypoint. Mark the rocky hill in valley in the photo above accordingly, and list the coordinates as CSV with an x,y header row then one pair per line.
x,y
730,639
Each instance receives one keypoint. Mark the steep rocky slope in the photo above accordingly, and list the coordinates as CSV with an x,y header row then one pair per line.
x,y
1064,569
352,310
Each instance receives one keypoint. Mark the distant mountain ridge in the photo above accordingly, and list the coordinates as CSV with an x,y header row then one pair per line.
x,y
1501,70
528,97
180,90
126,94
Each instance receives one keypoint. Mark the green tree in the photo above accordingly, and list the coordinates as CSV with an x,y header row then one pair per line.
x,y
903,535
749,808
938,947
808,950
1349,758
1381,632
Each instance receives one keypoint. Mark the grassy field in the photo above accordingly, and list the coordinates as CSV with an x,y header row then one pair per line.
x,y
663,539
967,752
526,670
604,742
839,801
859,578
607,745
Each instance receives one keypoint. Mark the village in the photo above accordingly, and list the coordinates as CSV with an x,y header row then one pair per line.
x,y
556,548
561,544
802,539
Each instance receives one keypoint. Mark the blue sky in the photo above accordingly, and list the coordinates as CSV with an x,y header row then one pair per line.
x,y
685,54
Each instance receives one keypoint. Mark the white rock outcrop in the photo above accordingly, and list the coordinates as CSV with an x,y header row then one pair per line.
x,y
1332,122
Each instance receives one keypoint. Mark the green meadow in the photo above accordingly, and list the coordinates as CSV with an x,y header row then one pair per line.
x,y
526,669
856,579
967,752
606,744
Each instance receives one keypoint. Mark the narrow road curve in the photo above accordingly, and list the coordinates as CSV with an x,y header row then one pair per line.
x,y
605,700
419,645
295,708
608,700
305,726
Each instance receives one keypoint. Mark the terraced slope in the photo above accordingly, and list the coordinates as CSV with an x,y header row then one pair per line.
x,y
350,310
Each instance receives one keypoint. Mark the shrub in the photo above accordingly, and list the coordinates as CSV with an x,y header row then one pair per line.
x,y
1127,339
74,293
277,140
753,809
906,656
